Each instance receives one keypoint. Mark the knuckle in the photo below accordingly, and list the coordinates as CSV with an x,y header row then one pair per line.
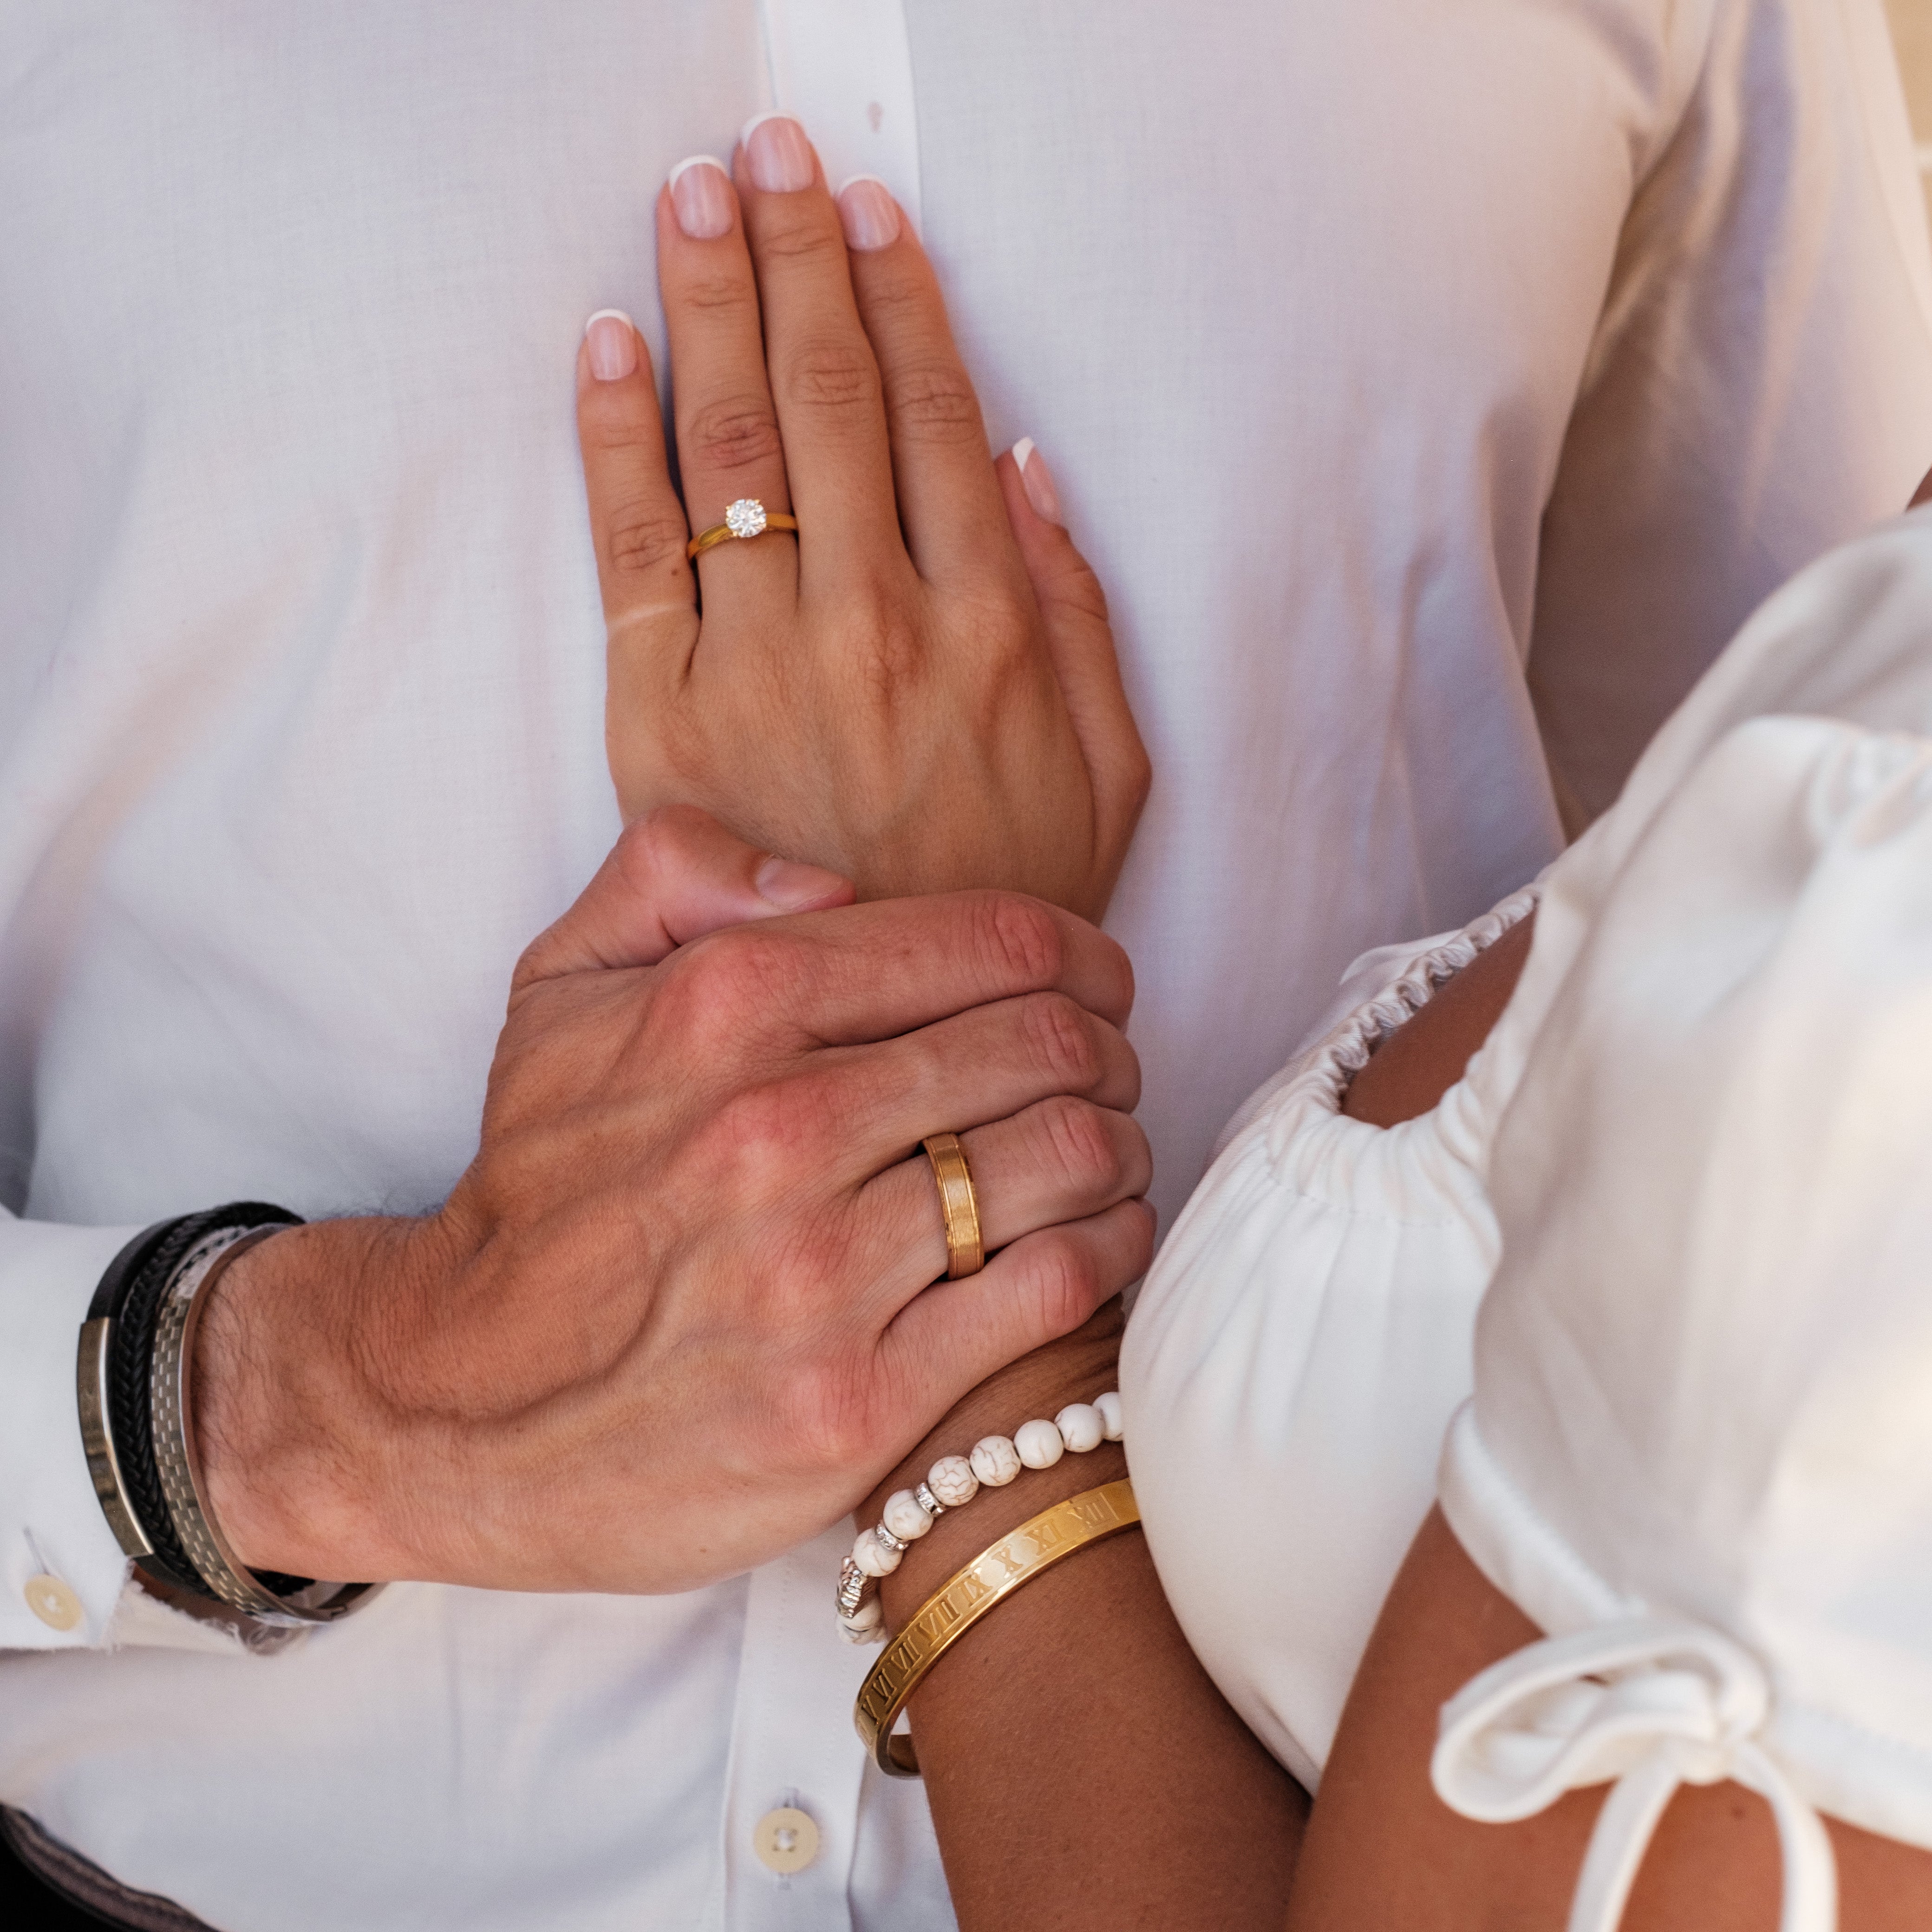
x,y
995,633
934,402
743,968
734,433
1061,1041
608,428
753,1142
1076,592
1081,1146
834,377
716,993
826,1411
758,1152
1018,941
643,537
810,242
719,298
686,1020
1065,1284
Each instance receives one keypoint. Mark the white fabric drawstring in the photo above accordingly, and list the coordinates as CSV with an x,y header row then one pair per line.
x,y
1652,1704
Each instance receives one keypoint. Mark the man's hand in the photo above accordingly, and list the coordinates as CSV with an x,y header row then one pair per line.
x,y
680,1312
921,689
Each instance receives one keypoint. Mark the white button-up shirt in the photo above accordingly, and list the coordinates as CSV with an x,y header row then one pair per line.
x,y
1423,379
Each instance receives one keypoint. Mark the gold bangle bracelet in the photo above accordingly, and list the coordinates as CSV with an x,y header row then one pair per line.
x,y
1019,1556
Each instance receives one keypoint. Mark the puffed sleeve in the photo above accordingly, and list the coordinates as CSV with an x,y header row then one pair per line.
x,y
1699,1452
1296,1353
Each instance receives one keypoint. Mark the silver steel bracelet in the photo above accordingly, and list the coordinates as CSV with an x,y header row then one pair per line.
x,y
172,1394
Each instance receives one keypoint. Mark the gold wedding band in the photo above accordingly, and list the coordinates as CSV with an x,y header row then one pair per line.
x,y
965,1249
746,517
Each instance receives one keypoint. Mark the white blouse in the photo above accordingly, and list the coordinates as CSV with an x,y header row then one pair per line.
x,y
1698,1441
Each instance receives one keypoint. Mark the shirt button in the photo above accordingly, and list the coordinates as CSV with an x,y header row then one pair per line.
x,y
786,1839
53,1602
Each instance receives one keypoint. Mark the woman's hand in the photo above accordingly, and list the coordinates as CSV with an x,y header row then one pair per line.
x,y
920,690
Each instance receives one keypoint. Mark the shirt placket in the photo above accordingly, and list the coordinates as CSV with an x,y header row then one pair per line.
x,y
793,1749
844,67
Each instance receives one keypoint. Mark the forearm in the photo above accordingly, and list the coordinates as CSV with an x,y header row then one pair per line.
x,y
1082,1769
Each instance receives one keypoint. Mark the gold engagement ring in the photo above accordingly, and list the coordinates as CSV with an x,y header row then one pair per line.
x,y
746,517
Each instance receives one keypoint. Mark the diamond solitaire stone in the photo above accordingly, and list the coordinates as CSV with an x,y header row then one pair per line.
x,y
745,517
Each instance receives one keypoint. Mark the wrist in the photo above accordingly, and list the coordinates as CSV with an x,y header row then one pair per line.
x,y
1075,1368
314,1465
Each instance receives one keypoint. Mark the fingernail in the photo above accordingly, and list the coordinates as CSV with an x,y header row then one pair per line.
x,y
782,882
700,196
777,153
612,338
1039,481
868,213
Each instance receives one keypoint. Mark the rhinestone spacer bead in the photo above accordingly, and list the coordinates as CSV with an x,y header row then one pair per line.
x,y
892,1542
928,1501
851,1586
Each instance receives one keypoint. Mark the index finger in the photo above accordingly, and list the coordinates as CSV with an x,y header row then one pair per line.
x,y
865,973
636,524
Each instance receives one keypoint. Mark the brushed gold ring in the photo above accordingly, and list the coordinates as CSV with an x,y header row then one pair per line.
x,y
965,1247
746,518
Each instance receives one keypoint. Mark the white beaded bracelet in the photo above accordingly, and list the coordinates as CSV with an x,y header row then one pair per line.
x,y
953,1480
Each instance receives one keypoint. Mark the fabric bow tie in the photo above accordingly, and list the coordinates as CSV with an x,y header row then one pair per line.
x,y
1650,1704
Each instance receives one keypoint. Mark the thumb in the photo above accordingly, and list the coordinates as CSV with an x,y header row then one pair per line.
x,y
1078,637
674,875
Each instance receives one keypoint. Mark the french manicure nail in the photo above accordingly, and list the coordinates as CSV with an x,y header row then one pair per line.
x,y
613,339
782,882
701,197
1039,481
777,154
868,213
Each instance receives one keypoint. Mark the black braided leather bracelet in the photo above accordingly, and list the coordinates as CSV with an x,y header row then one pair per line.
x,y
117,1372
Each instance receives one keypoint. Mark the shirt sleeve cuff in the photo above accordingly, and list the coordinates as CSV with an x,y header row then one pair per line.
x,y
61,1572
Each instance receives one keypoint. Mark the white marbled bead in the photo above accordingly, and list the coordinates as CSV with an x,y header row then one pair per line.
x,y
951,1479
995,1460
1081,1426
1109,1406
872,1556
1038,1444
904,1517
